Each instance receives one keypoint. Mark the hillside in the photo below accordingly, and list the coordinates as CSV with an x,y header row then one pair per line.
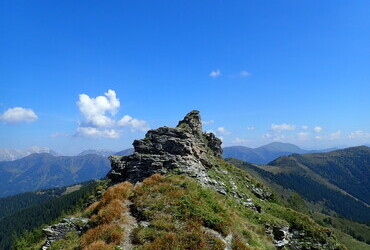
x,y
348,169
266,153
38,171
187,197
290,174
25,214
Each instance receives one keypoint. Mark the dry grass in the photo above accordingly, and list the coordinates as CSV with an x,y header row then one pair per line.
x,y
110,234
99,245
110,213
106,215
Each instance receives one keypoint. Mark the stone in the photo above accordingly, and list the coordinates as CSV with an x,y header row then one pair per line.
x,y
59,231
183,150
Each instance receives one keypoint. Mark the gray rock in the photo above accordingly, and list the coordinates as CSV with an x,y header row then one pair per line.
x,y
183,150
59,231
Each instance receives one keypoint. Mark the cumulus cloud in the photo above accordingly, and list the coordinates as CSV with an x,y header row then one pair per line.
x,y
215,73
96,110
251,128
359,134
244,73
95,132
99,117
274,137
305,127
317,129
223,131
282,127
133,123
317,137
238,140
18,114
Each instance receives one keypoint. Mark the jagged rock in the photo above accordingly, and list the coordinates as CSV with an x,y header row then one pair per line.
x,y
59,231
184,149
260,193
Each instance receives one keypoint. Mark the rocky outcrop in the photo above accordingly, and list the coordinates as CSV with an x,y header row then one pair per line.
x,y
184,149
59,231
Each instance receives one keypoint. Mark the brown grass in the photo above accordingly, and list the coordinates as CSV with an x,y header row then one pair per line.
x,y
110,213
119,191
106,214
110,234
99,245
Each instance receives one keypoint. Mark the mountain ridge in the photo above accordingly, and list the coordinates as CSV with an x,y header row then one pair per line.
x,y
266,153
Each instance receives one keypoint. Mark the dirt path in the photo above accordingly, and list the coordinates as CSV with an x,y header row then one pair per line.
x,y
128,226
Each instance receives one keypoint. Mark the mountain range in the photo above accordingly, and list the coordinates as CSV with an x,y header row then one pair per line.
x,y
266,153
43,170
11,154
336,182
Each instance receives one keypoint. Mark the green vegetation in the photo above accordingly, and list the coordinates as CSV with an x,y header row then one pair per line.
x,y
26,224
349,233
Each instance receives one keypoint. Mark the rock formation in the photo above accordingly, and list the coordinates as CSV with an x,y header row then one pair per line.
x,y
184,149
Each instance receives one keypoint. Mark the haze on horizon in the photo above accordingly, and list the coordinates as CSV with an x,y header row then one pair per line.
x,y
75,76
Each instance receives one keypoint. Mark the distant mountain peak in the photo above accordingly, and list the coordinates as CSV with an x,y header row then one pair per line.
x,y
11,154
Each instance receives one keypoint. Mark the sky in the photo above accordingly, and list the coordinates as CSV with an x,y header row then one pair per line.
x,y
77,75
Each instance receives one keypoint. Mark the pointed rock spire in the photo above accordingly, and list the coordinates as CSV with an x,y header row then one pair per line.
x,y
192,123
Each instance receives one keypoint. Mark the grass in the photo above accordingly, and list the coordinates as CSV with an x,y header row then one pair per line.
x,y
181,214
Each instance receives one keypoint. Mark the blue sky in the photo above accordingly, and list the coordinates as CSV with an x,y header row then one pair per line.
x,y
259,71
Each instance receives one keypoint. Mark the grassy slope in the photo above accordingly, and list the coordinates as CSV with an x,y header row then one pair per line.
x,y
182,214
289,198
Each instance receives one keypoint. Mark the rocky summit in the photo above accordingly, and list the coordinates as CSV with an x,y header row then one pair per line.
x,y
184,149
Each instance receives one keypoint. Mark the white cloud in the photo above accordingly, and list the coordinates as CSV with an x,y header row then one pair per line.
x,y
335,135
208,122
18,114
133,123
244,73
359,134
317,129
317,137
94,109
281,127
274,137
251,128
96,132
223,131
238,140
305,127
215,73
99,117
303,135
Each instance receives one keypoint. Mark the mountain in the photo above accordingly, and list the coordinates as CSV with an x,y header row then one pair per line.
x,y
185,197
128,151
338,181
101,152
107,152
266,153
43,170
10,154
347,169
